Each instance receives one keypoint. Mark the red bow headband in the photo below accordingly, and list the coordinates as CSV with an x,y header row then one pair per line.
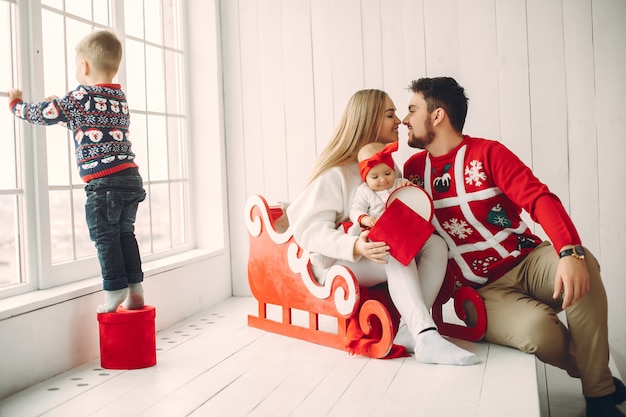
x,y
382,157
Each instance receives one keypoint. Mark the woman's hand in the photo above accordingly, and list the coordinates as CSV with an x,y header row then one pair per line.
x,y
375,251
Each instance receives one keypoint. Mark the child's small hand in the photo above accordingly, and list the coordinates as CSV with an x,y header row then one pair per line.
x,y
15,93
368,221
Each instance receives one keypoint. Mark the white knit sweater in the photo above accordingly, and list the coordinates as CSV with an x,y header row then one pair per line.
x,y
315,214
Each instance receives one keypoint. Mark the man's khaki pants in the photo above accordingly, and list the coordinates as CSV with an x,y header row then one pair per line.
x,y
521,313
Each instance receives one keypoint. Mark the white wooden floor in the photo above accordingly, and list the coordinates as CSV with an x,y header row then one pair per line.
x,y
213,364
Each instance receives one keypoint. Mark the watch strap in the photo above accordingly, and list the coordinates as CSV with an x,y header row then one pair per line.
x,y
577,251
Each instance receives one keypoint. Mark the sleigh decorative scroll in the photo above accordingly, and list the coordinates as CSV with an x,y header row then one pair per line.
x,y
279,274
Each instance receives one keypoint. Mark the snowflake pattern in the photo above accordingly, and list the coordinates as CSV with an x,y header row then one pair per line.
x,y
90,119
33,114
87,152
92,152
474,173
75,114
458,228
500,220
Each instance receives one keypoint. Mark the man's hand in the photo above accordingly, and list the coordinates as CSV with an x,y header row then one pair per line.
x,y
15,93
572,279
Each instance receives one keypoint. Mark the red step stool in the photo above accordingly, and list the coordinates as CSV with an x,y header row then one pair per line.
x,y
127,338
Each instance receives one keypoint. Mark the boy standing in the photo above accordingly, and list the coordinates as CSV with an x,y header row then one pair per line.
x,y
97,114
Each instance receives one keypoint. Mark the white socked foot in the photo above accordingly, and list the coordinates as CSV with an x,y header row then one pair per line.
x,y
134,300
112,300
431,347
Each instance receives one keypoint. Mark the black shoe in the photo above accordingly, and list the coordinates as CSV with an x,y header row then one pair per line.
x,y
602,407
619,396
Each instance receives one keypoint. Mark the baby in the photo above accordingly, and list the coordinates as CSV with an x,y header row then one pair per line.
x,y
379,181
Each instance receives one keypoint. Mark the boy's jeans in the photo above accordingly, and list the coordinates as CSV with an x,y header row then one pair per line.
x,y
111,209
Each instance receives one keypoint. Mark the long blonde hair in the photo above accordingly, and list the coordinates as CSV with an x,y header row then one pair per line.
x,y
360,124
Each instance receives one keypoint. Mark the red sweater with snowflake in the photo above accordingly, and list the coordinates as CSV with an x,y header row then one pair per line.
x,y
479,190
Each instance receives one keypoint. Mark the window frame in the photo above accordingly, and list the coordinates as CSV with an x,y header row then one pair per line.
x,y
38,271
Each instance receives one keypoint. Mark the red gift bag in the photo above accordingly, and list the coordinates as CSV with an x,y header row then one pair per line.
x,y
405,228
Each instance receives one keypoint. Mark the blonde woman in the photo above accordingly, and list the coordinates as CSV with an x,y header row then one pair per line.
x,y
370,116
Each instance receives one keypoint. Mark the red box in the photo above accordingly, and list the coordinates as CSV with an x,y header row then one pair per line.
x,y
403,230
405,224
127,338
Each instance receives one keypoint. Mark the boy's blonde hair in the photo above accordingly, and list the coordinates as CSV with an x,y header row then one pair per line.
x,y
103,50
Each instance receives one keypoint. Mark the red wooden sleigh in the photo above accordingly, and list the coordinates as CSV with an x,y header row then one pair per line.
x,y
279,274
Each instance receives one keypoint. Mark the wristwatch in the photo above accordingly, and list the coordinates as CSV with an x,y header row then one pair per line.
x,y
577,252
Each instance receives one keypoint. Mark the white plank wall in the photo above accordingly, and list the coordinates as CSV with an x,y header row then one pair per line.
x,y
608,107
544,77
583,181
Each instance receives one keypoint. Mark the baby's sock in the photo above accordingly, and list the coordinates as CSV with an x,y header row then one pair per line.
x,y
112,300
431,347
404,338
134,300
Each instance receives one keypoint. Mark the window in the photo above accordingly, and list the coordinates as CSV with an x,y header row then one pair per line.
x,y
45,232
11,192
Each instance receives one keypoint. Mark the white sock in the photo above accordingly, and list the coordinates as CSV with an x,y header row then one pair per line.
x,y
112,300
431,347
404,338
134,300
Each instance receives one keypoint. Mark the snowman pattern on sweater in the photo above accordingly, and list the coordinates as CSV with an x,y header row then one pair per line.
x,y
98,117
481,226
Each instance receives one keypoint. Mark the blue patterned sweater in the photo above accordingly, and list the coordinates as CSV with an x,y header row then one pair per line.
x,y
98,117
